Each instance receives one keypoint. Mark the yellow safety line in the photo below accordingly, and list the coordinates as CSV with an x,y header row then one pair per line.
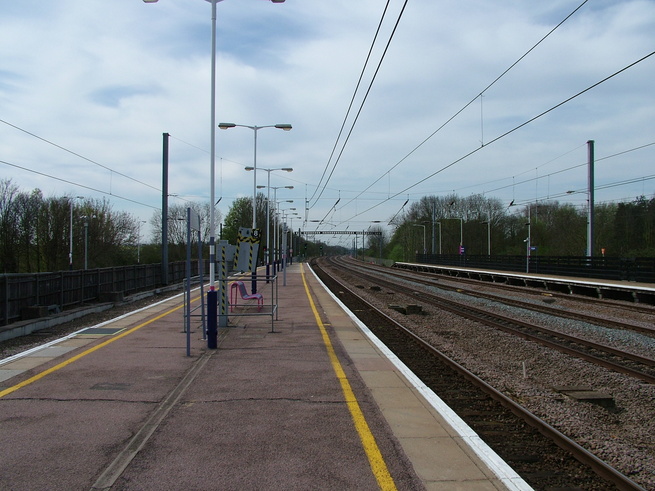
x,y
378,465
116,337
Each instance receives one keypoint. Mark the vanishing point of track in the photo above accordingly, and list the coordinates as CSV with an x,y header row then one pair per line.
x,y
543,456
606,356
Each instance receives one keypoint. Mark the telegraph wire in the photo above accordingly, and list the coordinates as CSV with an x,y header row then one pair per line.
x,y
449,120
191,145
509,132
361,106
77,154
352,100
77,184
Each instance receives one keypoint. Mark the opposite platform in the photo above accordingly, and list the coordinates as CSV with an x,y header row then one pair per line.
x,y
313,405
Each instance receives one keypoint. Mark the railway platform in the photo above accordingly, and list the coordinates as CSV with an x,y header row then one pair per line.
x,y
313,403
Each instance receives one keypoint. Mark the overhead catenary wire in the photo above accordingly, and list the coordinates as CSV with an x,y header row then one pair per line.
x,y
83,186
352,100
77,155
509,132
361,106
462,109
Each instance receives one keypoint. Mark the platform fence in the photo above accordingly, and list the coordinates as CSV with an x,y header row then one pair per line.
x,y
61,290
639,269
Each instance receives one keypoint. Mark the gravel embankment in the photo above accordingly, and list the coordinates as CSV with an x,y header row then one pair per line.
x,y
623,436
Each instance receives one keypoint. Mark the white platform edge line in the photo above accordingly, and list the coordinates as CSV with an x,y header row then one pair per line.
x,y
36,349
517,274
498,466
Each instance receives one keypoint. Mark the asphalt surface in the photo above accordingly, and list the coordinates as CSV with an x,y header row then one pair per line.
x,y
130,410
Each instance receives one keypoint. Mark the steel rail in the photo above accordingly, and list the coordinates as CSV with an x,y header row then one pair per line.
x,y
580,453
417,277
520,328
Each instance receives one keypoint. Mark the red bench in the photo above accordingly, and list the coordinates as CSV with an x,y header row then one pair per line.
x,y
239,289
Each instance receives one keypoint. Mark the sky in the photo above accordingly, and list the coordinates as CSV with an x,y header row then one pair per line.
x,y
458,97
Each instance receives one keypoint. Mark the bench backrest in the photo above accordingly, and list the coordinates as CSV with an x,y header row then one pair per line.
x,y
242,289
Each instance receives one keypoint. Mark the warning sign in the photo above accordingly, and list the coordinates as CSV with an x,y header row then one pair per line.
x,y
245,258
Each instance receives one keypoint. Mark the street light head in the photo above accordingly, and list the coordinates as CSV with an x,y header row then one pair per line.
x,y
250,168
274,1
288,169
285,127
261,187
288,187
225,126
150,1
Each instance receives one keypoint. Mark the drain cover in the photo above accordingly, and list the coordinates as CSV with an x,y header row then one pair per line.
x,y
107,331
110,386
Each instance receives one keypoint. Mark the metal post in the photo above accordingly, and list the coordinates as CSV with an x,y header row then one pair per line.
x,y
590,212
489,234
187,292
529,240
439,223
86,241
70,250
284,253
267,256
212,294
254,206
434,211
461,232
164,212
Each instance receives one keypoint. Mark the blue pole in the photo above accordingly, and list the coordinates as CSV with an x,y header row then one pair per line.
x,y
212,318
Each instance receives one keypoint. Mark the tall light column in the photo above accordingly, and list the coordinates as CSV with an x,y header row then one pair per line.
x,y
419,225
70,250
590,204
212,296
276,250
268,208
255,129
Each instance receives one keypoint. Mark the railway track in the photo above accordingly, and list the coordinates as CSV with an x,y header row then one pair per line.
x,y
431,279
640,367
543,456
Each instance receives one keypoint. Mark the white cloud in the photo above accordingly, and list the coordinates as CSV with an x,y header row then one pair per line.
x,y
105,81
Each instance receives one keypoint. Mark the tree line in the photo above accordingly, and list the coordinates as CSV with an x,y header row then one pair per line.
x,y
35,232
483,224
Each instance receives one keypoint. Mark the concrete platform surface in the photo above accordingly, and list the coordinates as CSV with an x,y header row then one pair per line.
x,y
313,403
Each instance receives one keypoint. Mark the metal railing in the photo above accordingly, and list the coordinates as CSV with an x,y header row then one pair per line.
x,y
66,289
640,269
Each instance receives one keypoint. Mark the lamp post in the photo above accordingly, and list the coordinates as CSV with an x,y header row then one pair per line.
x,y
291,246
86,238
488,224
70,250
138,243
461,233
528,241
212,295
439,224
276,249
255,129
287,214
274,188
282,214
419,225
267,257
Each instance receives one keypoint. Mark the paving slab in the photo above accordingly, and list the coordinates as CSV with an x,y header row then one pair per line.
x,y
127,409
